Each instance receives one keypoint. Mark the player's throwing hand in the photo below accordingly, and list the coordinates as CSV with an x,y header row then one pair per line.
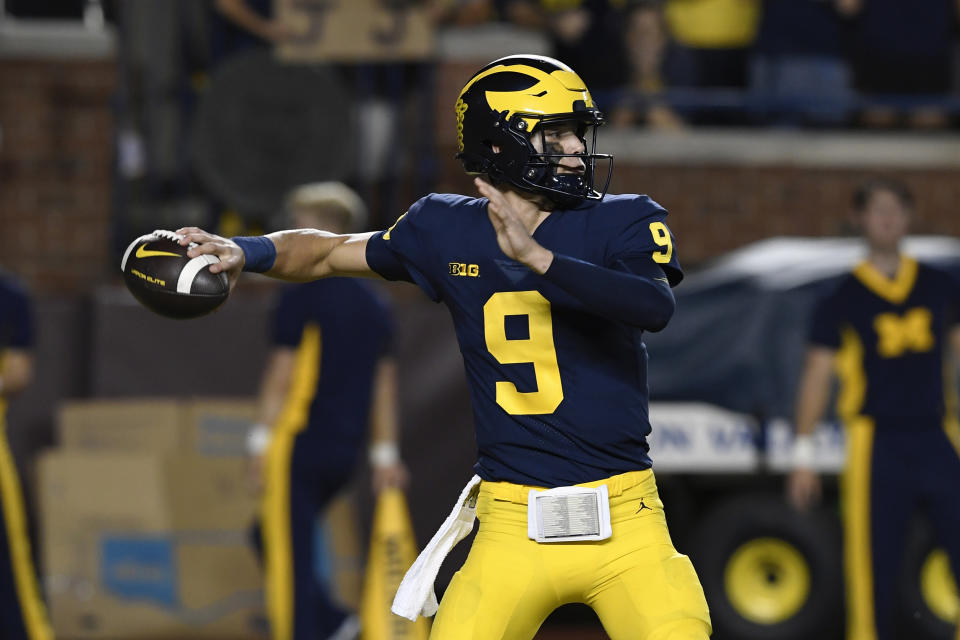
x,y
230,254
506,211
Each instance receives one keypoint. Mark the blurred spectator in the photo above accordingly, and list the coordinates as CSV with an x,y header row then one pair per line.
x,y
903,48
798,74
329,377
646,41
714,37
463,13
891,330
22,613
587,35
162,45
245,24
523,13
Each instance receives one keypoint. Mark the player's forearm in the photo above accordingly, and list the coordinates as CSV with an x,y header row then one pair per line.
x,y
814,391
641,300
302,255
809,412
384,409
275,384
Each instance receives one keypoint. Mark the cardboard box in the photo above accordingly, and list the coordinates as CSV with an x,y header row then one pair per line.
x,y
160,586
218,427
124,424
140,545
143,492
214,427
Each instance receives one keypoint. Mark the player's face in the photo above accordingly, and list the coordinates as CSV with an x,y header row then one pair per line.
x,y
561,138
884,220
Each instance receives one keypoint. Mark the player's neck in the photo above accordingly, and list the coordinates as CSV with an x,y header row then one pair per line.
x,y
536,220
886,261
528,210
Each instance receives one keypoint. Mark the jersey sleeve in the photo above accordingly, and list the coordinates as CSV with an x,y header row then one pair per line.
x,y
404,251
643,232
16,318
825,323
289,318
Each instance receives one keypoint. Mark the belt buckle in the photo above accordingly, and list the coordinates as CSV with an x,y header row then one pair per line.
x,y
569,514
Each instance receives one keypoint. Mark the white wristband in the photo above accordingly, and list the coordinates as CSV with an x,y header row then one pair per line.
x,y
804,452
384,454
258,439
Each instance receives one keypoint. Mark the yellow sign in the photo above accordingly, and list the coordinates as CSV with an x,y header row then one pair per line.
x,y
354,31
393,549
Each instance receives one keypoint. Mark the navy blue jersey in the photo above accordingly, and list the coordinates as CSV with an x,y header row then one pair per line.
x,y
891,337
559,393
16,323
341,329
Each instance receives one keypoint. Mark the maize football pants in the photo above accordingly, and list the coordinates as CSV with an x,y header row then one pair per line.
x,y
637,583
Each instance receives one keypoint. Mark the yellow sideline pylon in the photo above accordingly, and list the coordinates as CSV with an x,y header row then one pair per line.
x,y
392,550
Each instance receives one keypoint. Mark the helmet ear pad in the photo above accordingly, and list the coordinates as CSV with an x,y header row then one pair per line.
x,y
513,153
501,154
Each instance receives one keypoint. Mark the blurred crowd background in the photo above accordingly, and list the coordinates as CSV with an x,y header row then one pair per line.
x,y
747,119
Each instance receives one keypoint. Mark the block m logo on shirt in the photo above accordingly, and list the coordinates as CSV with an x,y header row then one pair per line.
x,y
898,334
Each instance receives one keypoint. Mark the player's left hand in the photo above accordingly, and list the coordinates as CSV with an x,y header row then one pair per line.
x,y
389,476
512,234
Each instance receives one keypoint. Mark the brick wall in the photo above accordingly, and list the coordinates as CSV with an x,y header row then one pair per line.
x,y
717,209
55,171
55,181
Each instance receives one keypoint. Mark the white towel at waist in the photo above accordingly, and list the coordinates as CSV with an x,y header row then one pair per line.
x,y
416,597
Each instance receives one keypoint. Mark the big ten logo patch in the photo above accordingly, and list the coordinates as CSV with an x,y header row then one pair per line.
x,y
461,108
898,334
464,269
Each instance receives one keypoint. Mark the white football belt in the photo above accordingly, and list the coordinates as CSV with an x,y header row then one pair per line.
x,y
416,597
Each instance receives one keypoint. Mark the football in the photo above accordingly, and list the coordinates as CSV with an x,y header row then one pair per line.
x,y
160,275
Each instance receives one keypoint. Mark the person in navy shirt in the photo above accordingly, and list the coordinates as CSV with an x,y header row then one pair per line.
x,y
328,390
22,612
890,329
551,283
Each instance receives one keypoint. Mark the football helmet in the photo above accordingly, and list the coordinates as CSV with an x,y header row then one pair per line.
x,y
511,100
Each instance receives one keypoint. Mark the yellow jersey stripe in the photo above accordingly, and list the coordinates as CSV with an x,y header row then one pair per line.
x,y
853,379
11,501
858,563
278,553
895,291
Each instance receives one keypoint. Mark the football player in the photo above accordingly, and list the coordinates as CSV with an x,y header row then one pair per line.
x,y
551,283
22,613
886,329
